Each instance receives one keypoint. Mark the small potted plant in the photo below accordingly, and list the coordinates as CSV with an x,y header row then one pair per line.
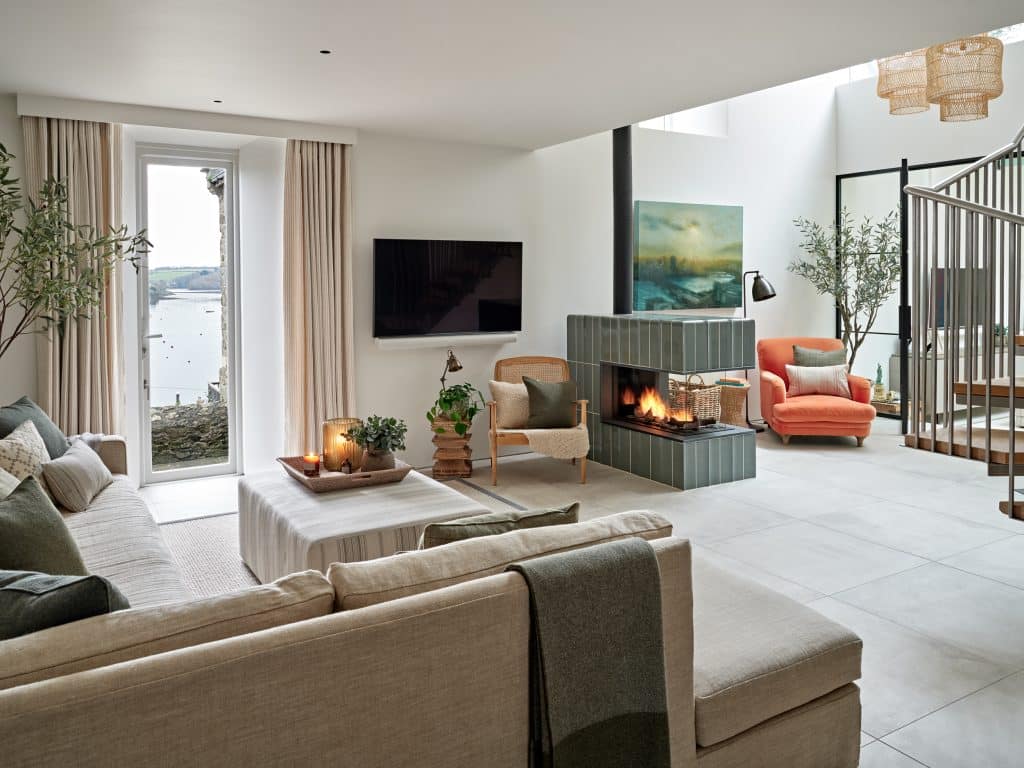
x,y
380,437
450,419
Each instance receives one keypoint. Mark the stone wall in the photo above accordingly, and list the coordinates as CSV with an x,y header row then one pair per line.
x,y
187,435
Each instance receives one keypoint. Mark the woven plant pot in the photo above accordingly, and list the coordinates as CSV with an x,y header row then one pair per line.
x,y
452,455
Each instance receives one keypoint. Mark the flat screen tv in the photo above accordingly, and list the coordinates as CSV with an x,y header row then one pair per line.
x,y
446,287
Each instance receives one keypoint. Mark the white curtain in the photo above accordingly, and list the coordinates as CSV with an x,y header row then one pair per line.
x,y
80,363
317,291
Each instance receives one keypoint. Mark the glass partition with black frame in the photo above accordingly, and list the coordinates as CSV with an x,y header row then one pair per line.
x,y
874,194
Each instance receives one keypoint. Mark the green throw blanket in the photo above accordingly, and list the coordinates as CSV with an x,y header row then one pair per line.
x,y
597,666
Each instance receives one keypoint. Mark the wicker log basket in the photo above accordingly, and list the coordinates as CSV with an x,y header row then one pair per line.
x,y
702,400
734,400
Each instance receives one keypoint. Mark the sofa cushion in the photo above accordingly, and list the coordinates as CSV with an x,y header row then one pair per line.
x,y
758,654
494,523
376,581
8,483
30,602
140,632
23,452
20,411
822,408
119,539
33,537
75,478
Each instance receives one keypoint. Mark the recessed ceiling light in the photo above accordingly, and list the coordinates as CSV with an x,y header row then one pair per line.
x,y
324,51
217,101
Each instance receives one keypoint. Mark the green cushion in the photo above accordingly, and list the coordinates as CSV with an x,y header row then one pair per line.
x,y
17,413
33,601
33,536
492,523
817,358
552,404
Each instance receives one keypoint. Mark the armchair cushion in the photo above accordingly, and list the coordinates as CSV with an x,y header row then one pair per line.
x,y
811,357
552,404
822,408
512,403
818,380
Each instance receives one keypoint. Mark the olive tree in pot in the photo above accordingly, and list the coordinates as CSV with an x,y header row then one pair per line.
x,y
51,269
380,437
858,265
450,419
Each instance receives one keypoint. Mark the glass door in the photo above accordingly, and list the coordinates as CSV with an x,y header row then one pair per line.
x,y
187,323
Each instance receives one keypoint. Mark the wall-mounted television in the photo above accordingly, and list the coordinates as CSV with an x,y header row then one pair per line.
x,y
446,287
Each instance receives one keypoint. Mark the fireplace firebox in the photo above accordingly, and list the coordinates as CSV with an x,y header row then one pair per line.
x,y
643,399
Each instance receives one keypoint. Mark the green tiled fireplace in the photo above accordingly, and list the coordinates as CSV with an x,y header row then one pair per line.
x,y
605,350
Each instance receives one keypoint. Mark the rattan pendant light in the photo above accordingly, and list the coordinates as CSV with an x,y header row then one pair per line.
x,y
903,80
964,75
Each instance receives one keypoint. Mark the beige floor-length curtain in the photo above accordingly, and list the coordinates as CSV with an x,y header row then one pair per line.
x,y
81,365
317,291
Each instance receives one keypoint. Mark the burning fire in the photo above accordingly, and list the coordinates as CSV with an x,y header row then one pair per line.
x,y
651,406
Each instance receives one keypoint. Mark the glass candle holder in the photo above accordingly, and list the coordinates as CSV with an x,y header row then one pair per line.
x,y
311,464
338,446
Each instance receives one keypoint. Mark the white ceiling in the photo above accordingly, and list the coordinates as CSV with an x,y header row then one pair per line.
x,y
525,73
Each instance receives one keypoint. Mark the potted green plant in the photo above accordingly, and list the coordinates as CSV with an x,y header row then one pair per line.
x,y
380,437
857,265
450,419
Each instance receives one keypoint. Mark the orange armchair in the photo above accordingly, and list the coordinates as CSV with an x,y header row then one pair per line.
x,y
810,414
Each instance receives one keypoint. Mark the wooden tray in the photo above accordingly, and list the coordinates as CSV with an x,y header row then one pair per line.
x,y
339,481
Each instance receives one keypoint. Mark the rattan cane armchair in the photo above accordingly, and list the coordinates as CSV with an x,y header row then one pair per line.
x,y
512,370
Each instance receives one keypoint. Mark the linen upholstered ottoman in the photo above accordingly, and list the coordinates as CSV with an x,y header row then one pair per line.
x,y
283,527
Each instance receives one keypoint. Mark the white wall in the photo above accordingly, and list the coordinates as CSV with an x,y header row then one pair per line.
x,y
554,201
868,137
261,211
778,162
18,365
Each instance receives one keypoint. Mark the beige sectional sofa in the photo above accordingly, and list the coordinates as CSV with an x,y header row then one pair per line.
x,y
419,659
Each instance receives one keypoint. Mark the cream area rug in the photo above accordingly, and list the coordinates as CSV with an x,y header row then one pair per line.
x,y
207,551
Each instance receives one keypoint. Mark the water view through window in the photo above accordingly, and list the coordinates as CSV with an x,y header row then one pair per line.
x,y
187,344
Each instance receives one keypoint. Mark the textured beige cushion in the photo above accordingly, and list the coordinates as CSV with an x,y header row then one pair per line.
x,y
139,632
513,404
758,654
822,734
377,581
76,477
818,380
120,540
23,452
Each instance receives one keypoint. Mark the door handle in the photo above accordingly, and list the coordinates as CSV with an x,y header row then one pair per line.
x,y
154,336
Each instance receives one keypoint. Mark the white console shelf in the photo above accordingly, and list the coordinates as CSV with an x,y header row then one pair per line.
x,y
420,342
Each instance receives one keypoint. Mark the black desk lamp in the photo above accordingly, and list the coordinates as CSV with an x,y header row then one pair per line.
x,y
760,290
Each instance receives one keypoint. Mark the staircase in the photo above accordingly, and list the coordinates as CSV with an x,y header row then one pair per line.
x,y
965,277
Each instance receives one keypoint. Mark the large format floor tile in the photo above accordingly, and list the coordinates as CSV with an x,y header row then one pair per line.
x,y
189,499
879,755
906,674
706,519
815,557
976,614
1002,561
982,730
782,586
910,529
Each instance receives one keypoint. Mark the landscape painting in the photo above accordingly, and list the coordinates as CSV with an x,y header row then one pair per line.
x,y
687,256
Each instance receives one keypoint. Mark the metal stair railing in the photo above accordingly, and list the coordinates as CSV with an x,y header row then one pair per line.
x,y
965,285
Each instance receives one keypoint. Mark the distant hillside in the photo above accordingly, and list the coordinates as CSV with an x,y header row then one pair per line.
x,y
164,279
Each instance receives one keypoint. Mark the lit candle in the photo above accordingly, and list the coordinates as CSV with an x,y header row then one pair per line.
x,y
312,464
